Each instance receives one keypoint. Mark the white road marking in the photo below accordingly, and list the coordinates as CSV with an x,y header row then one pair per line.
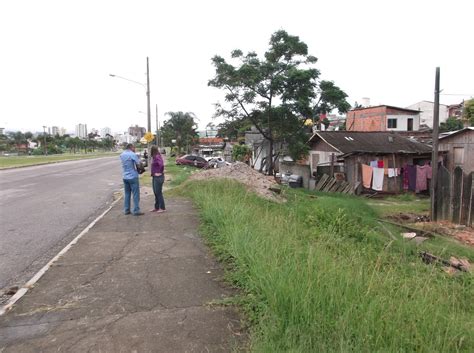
x,y
22,291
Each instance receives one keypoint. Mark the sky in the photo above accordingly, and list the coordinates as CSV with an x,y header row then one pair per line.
x,y
56,56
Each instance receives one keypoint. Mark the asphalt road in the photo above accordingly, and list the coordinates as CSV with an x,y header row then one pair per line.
x,y
42,208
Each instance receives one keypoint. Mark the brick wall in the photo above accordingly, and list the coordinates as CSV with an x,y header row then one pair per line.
x,y
368,119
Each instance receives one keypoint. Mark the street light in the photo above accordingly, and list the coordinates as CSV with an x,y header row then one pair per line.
x,y
147,86
44,140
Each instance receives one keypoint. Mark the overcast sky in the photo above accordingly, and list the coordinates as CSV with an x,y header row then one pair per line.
x,y
56,56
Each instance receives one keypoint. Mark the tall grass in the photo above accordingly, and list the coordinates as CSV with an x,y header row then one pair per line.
x,y
318,276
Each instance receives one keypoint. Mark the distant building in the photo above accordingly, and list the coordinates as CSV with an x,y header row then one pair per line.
x,y
2,131
105,131
62,131
55,130
81,131
455,110
426,109
383,118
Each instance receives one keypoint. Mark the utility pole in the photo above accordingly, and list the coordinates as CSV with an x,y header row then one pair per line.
x,y
157,128
44,140
434,157
148,95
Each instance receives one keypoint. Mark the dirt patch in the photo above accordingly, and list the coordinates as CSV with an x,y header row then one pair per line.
x,y
241,172
462,233
409,217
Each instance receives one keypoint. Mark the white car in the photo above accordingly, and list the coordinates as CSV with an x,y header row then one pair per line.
x,y
216,162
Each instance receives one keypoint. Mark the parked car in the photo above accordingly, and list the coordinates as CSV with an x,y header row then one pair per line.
x,y
193,160
217,162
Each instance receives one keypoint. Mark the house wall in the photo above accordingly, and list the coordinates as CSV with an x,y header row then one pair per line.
x,y
464,140
427,111
369,119
375,119
402,122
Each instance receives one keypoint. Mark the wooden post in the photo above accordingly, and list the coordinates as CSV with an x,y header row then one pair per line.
x,y
332,166
434,157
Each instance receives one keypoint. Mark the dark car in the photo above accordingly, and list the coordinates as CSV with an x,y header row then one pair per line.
x,y
190,159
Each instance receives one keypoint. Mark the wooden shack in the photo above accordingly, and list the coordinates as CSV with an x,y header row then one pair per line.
x,y
457,147
348,150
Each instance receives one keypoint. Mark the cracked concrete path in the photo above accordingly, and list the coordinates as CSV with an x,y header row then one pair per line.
x,y
131,284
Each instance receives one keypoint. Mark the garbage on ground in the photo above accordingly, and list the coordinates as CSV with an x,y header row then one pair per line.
x,y
409,235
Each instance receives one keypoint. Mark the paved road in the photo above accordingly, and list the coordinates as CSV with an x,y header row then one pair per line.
x,y
43,207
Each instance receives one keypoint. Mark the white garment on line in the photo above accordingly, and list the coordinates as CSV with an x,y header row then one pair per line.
x,y
392,172
377,179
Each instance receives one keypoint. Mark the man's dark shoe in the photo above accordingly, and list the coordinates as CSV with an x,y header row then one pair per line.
x,y
128,212
138,214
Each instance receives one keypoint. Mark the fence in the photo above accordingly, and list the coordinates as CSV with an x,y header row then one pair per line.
x,y
454,199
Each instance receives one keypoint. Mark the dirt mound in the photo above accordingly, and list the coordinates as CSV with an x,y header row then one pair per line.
x,y
241,172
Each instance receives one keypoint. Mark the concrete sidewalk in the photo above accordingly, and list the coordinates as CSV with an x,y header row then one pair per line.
x,y
131,284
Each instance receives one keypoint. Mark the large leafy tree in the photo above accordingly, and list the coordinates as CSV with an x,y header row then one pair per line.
x,y
180,127
277,93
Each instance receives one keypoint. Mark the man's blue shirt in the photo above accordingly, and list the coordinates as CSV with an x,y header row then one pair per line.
x,y
129,159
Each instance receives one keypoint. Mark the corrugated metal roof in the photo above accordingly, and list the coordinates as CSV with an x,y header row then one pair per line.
x,y
370,142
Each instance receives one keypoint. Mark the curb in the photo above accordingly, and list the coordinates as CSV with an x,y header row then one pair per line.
x,y
24,289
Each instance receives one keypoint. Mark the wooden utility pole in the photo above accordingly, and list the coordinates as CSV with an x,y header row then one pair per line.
x,y
434,157
157,128
148,113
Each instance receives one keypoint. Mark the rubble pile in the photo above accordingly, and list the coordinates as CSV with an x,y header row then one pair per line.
x,y
241,172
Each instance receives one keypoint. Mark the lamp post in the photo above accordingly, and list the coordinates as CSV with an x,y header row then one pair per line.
x,y
44,140
146,86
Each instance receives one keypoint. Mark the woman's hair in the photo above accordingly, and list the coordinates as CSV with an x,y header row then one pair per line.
x,y
154,151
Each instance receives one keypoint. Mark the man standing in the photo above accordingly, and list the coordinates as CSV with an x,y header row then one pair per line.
x,y
130,180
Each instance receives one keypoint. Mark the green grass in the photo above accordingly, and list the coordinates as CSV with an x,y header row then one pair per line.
x,y
22,161
402,204
319,275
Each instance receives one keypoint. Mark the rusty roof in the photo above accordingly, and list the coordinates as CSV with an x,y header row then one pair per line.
x,y
370,142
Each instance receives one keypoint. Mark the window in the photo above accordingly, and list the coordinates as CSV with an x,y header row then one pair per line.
x,y
391,123
458,156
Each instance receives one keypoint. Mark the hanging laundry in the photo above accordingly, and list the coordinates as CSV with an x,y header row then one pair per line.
x,y
429,171
373,164
421,178
405,177
392,172
366,176
377,180
380,163
411,177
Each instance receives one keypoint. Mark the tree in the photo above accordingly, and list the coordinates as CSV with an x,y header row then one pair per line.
x,y
233,129
180,127
469,112
277,93
451,124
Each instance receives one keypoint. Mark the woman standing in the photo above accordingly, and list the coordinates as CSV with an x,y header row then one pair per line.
x,y
157,173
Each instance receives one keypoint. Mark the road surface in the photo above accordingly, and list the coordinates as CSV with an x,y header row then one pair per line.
x,y
42,208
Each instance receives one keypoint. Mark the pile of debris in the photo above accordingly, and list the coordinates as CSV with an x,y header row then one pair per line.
x,y
255,181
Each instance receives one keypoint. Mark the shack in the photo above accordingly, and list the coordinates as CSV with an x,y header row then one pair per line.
x,y
345,152
456,147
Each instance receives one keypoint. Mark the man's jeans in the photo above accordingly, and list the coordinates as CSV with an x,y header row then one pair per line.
x,y
131,186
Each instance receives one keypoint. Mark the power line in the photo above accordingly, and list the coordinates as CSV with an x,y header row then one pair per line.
x,y
457,94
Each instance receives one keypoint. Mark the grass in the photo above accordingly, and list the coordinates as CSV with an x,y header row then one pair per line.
x,y
319,275
401,204
22,161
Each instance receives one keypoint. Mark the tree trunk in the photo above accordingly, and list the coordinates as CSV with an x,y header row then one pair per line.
x,y
270,157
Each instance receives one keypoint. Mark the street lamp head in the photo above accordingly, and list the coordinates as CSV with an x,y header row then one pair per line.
x,y
111,75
